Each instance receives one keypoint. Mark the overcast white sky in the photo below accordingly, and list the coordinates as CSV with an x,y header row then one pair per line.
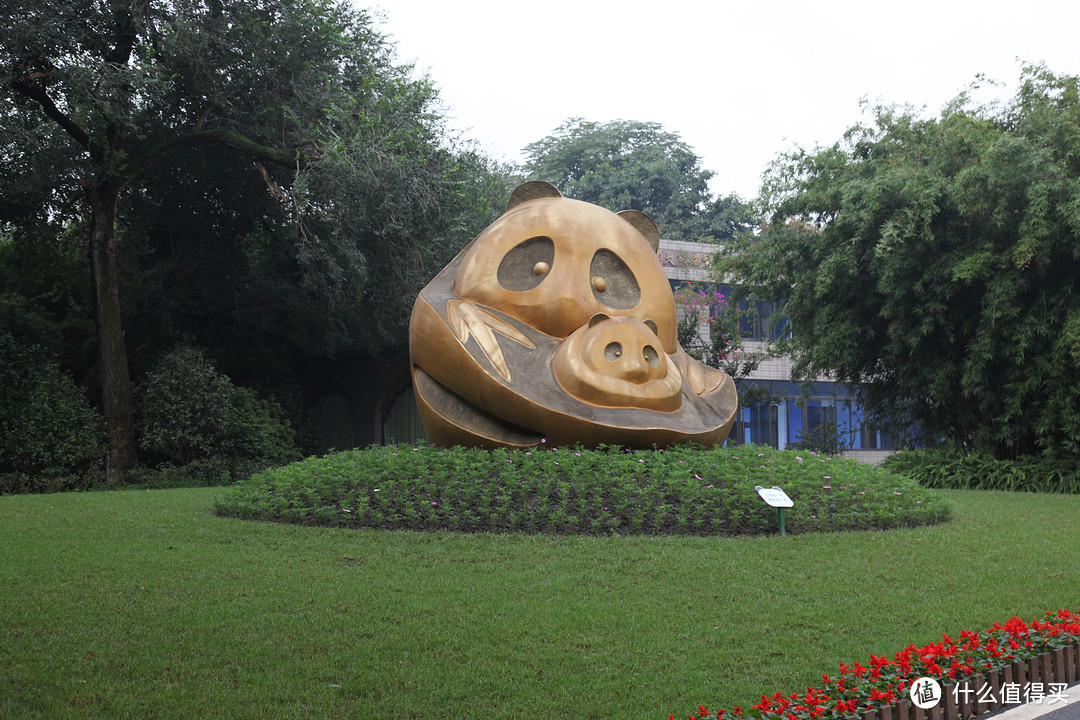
x,y
738,81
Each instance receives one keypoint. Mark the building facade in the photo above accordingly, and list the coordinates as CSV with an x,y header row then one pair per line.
x,y
792,413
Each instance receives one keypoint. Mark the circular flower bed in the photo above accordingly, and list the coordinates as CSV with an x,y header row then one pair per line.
x,y
684,490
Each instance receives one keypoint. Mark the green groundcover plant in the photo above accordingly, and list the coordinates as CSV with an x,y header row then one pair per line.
x,y
883,681
684,490
952,468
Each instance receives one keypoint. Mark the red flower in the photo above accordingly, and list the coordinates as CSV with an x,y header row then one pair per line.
x,y
903,660
876,695
846,706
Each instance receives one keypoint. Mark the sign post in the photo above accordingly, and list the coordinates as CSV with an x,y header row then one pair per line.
x,y
777,498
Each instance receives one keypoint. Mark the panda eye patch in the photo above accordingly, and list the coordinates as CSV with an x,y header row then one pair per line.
x,y
527,264
613,281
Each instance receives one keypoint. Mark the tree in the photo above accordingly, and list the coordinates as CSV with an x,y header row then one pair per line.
x,y
724,349
935,263
639,166
222,276
128,103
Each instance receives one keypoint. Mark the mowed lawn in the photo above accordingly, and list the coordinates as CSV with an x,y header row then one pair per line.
x,y
143,604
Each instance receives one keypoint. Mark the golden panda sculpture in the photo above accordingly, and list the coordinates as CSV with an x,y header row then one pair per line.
x,y
557,324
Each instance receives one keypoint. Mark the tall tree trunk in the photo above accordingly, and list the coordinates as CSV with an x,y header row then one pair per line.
x,y
112,353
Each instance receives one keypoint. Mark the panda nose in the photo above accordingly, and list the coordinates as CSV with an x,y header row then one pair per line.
x,y
633,361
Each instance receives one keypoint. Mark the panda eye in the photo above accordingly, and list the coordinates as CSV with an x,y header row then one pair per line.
x,y
527,264
613,281
651,356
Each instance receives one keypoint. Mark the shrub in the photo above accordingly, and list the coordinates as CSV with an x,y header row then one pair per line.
x,y
184,404
953,469
191,412
256,429
824,438
48,430
684,490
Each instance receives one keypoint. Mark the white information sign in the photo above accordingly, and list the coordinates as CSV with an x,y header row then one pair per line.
x,y
774,497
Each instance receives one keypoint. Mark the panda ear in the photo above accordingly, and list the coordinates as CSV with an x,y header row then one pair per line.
x,y
531,191
644,225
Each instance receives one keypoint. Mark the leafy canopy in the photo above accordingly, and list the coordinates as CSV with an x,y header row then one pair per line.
x,y
626,165
282,127
257,172
936,262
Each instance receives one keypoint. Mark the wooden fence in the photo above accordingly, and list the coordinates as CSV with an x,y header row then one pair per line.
x,y
1042,679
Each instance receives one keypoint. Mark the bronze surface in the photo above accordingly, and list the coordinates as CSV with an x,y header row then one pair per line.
x,y
557,322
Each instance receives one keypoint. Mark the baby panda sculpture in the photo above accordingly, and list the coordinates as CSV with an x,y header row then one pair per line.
x,y
558,324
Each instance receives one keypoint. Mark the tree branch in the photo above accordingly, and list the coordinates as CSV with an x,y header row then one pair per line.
x,y
274,189
199,138
38,94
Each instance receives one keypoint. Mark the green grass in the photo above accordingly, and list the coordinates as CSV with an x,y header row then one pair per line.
x,y
678,491
145,604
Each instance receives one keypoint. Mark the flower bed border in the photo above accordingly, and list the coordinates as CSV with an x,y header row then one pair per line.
x,y
972,674
1059,666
